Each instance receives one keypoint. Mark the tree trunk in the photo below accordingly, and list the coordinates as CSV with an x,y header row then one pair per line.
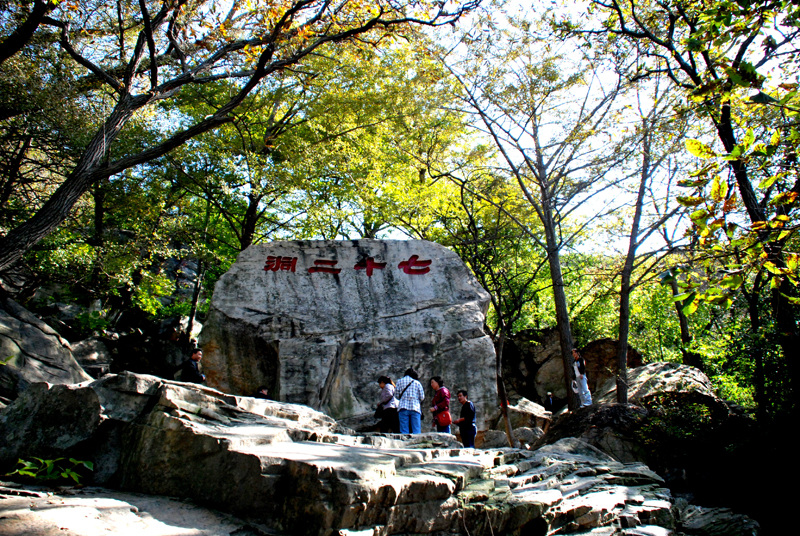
x,y
757,351
250,222
783,312
198,286
627,271
58,207
689,358
501,387
560,302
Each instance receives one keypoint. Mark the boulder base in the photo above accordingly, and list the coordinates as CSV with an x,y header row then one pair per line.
x,y
293,471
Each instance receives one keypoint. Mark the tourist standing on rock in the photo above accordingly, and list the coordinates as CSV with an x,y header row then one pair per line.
x,y
262,392
441,405
579,365
190,370
466,421
409,402
387,407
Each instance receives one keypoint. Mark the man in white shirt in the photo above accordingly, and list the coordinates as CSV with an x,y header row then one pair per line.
x,y
410,394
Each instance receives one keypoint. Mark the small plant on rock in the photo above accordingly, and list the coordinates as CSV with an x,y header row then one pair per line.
x,y
39,469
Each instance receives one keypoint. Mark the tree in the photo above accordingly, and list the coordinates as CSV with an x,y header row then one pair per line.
x,y
548,111
149,52
719,53
502,257
657,150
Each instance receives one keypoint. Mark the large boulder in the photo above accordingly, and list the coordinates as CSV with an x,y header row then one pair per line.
x,y
293,470
32,352
664,400
663,379
318,322
524,414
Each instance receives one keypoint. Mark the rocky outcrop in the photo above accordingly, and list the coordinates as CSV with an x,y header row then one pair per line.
x,y
293,470
524,414
318,322
660,396
660,380
532,364
93,355
32,352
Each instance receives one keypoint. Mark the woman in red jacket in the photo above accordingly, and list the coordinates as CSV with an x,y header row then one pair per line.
x,y
441,405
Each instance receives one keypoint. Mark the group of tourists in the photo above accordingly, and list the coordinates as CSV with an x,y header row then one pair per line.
x,y
400,407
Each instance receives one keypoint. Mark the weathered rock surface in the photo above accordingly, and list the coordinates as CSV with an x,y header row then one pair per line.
x,y
99,512
524,414
93,355
37,352
294,471
622,431
615,429
280,318
663,379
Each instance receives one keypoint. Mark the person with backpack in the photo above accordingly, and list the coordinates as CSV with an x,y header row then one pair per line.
x,y
386,410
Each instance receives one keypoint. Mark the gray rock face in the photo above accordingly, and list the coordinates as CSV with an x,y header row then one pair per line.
x,y
293,471
318,322
37,353
93,356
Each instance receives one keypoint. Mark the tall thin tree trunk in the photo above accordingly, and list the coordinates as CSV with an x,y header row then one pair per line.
x,y
198,283
627,271
501,387
757,351
560,302
690,358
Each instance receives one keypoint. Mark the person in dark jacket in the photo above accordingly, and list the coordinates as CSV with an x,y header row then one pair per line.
x,y
549,403
466,421
190,370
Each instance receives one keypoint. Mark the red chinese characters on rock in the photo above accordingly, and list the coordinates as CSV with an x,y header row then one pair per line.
x,y
326,267
275,263
369,265
414,266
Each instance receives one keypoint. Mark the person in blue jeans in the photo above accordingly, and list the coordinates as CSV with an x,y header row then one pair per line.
x,y
466,421
410,395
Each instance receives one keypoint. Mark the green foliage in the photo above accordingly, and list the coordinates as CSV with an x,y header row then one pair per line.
x,y
49,470
672,431
176,308
674,420
89,322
